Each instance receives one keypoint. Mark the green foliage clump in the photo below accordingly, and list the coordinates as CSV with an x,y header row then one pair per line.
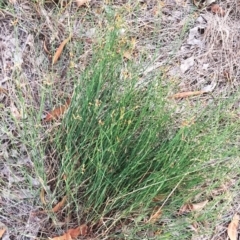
x,y
117,144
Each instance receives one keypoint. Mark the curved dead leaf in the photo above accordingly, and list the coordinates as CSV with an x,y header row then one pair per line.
x,y
60,49
57,112
81,2
55,209
233,228
60,205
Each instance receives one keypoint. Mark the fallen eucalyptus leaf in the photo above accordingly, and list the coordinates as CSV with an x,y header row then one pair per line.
x,y
57,112
186,94
60,49
60,205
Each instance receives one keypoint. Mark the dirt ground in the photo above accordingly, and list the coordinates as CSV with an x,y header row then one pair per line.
x,y
193,48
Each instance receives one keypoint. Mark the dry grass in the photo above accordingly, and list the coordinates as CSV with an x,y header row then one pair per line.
x,y
34,86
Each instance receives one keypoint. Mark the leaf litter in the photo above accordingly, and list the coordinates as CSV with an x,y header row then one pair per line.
x,y
207,89
215,8
2,231
42,196
233,228
15,113
73,233
82,2
189,207
187,64
55,209
57,112
155,216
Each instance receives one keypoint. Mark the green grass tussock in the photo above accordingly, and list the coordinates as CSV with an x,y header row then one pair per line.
x,y
115,145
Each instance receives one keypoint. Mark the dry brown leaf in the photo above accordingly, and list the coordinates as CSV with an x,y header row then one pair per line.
x,y
188,123
3,90
199,206
81,2
2,231
215,8
72,233
15,113
155,216
81,230
186,94
59,205
233,228
45,47
194,227
57,112
60,49
227,75
188,207
127,55
42,196
55,209
185,208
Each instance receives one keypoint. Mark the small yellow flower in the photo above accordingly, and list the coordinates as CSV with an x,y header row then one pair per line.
x,y
97,103
101,122
113,113
71,64
15,22
78,117
129,122
122,111
83,168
